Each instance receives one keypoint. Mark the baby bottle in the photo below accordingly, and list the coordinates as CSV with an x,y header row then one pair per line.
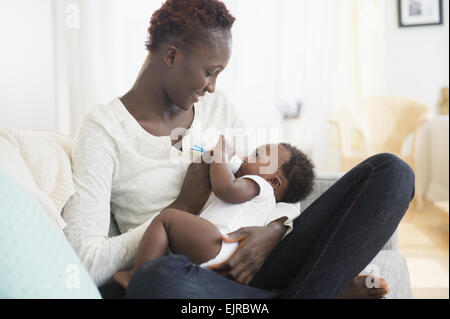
x,y
235,163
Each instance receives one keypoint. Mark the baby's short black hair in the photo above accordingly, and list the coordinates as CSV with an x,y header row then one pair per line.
x,y
299,171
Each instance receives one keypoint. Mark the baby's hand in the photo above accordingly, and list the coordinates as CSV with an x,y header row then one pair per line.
x,y
223,151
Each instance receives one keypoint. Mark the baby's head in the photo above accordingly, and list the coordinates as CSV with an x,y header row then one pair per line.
x,y
286,168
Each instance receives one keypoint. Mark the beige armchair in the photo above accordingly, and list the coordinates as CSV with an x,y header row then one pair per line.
x,y
379,125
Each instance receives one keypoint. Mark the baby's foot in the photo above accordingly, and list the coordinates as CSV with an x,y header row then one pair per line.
x,y
123,278
358,289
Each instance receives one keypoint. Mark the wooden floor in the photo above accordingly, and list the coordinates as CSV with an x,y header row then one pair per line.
x,y
423,240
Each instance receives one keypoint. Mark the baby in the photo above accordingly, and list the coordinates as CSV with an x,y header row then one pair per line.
x,y
245,198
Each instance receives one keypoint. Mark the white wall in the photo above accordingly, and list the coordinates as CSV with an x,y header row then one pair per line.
x,y
416,63
416,66
26,65
416,58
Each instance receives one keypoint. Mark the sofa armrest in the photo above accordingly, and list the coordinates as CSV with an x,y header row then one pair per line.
x,y
392,266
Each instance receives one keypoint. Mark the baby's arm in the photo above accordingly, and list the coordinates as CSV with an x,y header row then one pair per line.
x,y
223,182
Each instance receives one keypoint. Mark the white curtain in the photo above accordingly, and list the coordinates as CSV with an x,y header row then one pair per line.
x,y
84,57
99,48
322,53
358,60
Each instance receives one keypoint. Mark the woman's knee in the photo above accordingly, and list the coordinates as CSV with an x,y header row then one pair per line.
x,y
392,161
157,277
398,169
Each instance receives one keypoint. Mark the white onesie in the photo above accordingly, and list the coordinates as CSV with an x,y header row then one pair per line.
x,y
230,217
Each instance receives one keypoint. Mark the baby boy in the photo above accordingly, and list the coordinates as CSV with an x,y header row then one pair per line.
x,y
272,173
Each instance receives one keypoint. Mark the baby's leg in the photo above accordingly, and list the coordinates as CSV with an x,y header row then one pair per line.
x,y
185,234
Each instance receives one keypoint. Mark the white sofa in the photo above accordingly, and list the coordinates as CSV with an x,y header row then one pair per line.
x,y
389,261
26,155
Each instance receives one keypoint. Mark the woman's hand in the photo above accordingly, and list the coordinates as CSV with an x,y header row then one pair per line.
x,y
196,189
255,245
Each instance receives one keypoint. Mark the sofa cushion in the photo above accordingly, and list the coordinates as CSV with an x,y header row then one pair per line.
x,y
36,259
392,265
39,160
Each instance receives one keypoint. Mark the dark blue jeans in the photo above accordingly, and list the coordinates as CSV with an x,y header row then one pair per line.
x,y
333,240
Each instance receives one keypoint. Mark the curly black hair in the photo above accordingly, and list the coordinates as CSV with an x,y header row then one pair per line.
x,y
299,171
187,20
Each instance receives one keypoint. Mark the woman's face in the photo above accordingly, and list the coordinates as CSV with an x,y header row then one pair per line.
x,y
196,69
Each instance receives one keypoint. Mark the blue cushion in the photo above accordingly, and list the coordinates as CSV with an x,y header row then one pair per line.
x,y
36,260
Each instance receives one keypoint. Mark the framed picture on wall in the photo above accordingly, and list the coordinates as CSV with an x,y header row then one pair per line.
x,y
415,13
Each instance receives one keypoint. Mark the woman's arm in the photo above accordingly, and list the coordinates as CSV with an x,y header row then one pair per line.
x,y
87,213
195,191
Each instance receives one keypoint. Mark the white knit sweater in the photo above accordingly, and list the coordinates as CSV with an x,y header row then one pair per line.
x,y
118,167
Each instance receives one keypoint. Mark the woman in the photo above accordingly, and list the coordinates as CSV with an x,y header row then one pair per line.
x,y
120,163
